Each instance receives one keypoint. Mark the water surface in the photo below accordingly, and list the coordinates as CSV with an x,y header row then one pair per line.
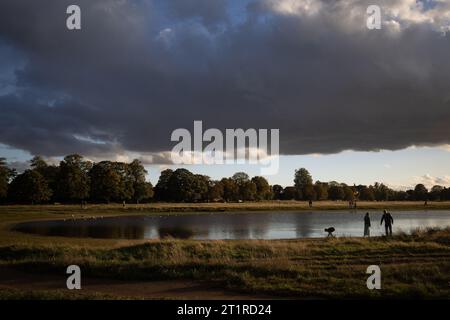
x,y
234,225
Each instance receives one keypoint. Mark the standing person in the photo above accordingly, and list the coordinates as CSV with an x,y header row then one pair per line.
x,y
310,203
367,225
388,222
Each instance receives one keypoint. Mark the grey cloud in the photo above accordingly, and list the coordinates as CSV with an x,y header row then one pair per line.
x,y
19,166
210,12
136,72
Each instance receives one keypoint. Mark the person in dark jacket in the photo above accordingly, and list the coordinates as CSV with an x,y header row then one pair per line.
x,y
367,225
388,222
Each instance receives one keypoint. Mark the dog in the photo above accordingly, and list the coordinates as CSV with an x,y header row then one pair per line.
x,y
330,231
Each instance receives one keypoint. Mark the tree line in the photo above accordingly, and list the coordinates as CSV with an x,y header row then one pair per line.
x,y
77,180
305,189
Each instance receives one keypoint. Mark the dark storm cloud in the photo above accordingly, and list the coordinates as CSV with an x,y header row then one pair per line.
x,y
139,69
210,12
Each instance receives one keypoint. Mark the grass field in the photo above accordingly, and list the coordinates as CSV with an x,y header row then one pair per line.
x,y
413,266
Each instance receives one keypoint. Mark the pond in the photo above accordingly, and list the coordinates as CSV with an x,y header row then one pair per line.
x,y
233,225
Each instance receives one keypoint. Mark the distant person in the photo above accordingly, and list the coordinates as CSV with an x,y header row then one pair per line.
x,y
367,225
426,203
388,222
310,203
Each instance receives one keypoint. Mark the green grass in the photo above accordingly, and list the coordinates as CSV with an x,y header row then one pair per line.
x,y
413,265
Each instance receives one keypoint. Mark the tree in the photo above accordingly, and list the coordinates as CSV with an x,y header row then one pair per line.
x,y
230,189
200,187
141,189
126,182
247,191
309,193
349,194
143,192
116,181
150,192
162,187
366,193
181,186
336,192
38,163
263,191
436,193
106,184
29,187
73,179
277,192
215,191
321,190
49,172
5,175
399,195
303,180
445,195
240,178
420,192
410,194
289,193
382,192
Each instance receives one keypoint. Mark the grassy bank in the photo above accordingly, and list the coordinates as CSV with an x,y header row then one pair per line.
x,y
415,265
232,206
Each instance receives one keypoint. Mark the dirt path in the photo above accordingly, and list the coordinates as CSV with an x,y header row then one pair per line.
x,y
173,289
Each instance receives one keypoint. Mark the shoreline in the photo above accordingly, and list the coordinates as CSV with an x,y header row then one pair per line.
x,y
12,215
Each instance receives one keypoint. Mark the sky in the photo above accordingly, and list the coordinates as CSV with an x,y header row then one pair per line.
x,y
352,104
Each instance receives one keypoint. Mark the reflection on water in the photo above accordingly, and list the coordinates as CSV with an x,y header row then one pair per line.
x,y
247,225
175,232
